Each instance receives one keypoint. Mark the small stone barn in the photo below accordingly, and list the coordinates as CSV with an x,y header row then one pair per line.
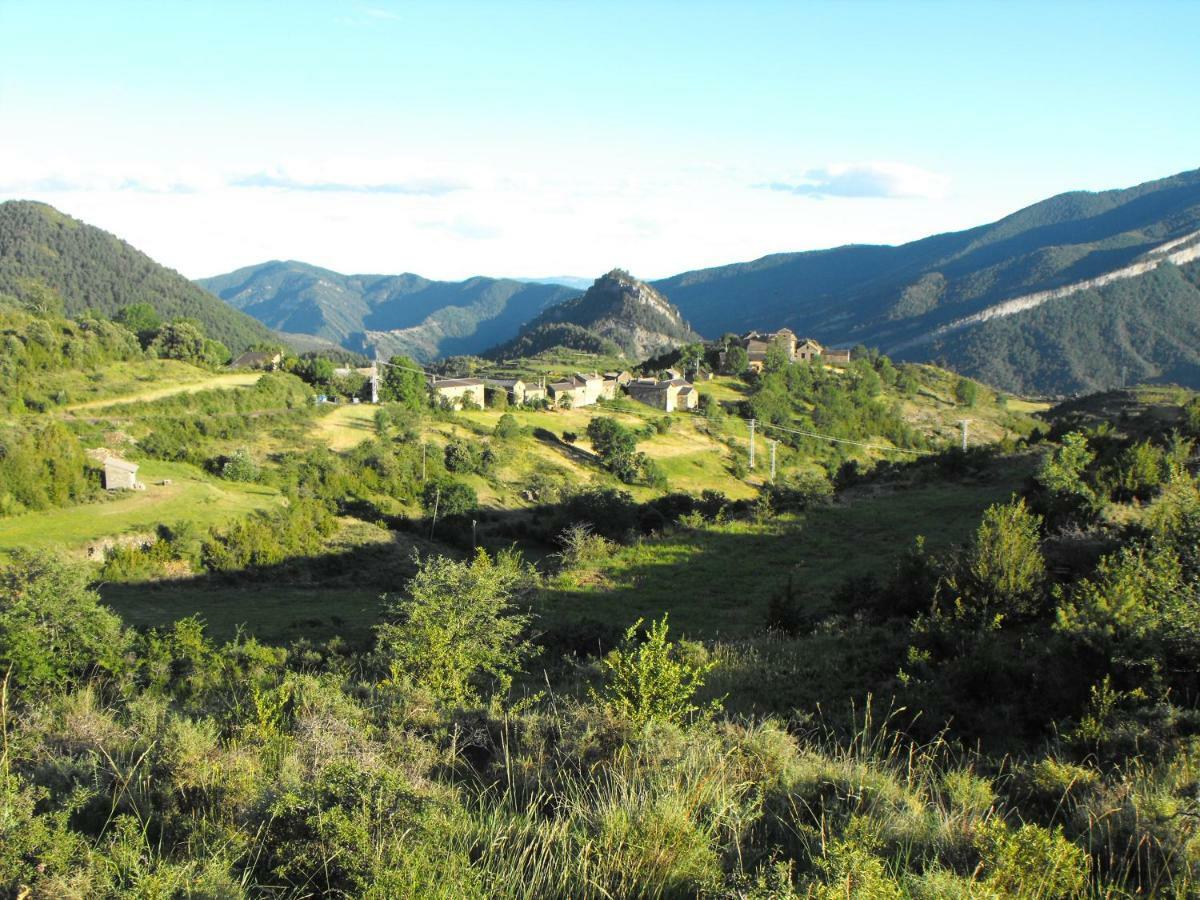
x,y
121,475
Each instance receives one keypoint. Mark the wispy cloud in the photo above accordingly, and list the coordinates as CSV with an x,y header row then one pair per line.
x,y
376,12
882,179
69,184
416,187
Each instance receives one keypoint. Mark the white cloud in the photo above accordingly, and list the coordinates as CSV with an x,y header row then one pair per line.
x,y
452,216
872,179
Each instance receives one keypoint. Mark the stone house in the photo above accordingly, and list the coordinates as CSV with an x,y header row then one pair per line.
x,y
669,395
457,391
579,390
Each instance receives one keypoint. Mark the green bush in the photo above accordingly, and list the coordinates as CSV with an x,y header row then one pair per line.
x,y
456,631
650,680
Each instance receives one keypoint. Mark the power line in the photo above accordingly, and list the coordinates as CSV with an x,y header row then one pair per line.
x,y
829,437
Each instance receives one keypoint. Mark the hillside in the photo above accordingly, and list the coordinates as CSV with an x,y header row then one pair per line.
x,y
617,309
904,299
397,313
92,269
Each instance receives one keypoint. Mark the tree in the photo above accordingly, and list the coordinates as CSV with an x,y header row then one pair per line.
x,y
497,397
506,427
241,466
53,629
1004,572
1062,473
181,340
966,392
457,631
650,680
316,370
610,439
776,358
449,497
736,360
142,319
691,356
460,457
402,381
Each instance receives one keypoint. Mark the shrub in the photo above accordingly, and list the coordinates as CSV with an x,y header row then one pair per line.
x,y
241,467
650,681
457,631
507,427
53,629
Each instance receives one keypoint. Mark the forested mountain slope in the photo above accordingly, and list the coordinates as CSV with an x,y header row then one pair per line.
x,y
88,268
396,313
896,298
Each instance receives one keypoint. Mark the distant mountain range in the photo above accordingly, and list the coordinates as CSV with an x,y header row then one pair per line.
x,y
1080,292
617,312
91,269
1077,292
394,313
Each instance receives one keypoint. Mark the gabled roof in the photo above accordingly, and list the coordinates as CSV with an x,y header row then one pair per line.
x,y
123,465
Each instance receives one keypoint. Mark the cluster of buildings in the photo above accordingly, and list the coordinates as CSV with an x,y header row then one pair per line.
x,y
576,390
757,343
669,393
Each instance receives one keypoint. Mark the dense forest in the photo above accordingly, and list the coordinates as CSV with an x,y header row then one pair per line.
x,y
46,256
541,338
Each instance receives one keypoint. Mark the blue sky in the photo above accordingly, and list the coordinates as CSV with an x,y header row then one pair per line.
x,y
532,139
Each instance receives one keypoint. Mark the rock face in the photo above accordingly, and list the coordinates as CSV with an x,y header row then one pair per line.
x,y
630,313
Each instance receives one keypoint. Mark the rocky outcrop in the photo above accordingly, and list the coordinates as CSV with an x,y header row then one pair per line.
x,y
628,312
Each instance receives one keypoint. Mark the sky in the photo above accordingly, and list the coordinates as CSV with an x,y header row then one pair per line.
x,y
531,139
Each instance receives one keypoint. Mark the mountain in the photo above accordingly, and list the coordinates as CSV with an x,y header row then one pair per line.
x,y
394,313
92,269
1059,297
617,310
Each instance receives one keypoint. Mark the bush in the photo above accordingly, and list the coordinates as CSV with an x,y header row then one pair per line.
x,y
507,427
650,681
53,629
457,631
241,467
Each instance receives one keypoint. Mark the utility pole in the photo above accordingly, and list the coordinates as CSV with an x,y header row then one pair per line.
x,y
423,446
962,424
773,444
752,443
472,534
375,381
437,497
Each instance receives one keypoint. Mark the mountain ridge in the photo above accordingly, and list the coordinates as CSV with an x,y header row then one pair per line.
x,y
402,313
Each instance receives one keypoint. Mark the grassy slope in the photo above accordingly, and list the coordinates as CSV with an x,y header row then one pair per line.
x,y
688,573
191,496
717,581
